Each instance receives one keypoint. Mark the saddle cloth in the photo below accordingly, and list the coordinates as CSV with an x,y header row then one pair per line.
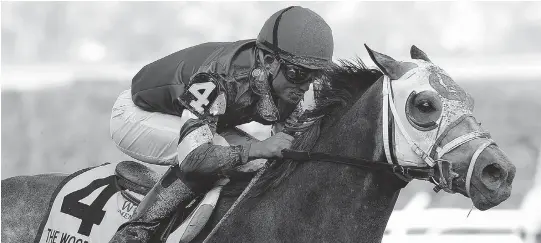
x,y
89,206
86,207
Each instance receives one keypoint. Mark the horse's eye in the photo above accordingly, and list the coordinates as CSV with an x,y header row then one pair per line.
x,y
423,109
425,106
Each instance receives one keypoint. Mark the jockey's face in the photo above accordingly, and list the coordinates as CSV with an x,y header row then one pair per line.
x,y
292,81
288,91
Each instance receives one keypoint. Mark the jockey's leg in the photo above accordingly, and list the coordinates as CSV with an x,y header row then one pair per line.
x,y
161,201
152,138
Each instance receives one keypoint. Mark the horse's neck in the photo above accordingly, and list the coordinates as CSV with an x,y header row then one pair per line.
x,y
371,196
322,202
360,126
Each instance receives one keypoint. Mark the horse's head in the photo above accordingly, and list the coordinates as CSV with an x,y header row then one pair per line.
x,y
431,123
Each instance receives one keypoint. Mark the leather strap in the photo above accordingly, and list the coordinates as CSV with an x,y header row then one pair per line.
x,y
457,142
386,125
472,163
450,127
421,173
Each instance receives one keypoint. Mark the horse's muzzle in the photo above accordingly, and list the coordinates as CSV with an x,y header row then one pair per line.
x,y
492,178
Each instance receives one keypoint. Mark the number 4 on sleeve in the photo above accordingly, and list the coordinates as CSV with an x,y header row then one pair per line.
x,y
201,99
204,95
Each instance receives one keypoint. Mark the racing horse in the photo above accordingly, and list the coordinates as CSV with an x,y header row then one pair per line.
x,y
370,133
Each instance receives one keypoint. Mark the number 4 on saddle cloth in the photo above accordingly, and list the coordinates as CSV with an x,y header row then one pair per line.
x,y
90,205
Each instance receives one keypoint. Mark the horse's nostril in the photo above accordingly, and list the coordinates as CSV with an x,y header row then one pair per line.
x,y
492,174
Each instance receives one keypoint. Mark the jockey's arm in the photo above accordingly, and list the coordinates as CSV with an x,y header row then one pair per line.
x,y
199,150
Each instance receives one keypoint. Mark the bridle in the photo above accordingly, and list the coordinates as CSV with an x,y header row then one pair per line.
x,y
433,159
438,170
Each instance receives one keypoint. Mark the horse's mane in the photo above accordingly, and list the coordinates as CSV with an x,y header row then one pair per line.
x,y
336,90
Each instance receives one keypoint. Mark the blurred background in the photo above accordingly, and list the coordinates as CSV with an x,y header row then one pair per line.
x,y
64,63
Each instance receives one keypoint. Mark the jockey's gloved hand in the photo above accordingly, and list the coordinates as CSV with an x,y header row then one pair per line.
x,y
271,147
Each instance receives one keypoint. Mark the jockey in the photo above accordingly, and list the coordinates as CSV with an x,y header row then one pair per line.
x,y
216,86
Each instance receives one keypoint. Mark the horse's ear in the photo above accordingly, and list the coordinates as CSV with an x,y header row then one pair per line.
x,y
392,68
416,53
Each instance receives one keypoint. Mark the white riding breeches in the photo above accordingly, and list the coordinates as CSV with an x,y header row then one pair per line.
x,y
150,137
153,137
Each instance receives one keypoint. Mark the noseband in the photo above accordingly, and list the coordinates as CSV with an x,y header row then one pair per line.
x,y
441,175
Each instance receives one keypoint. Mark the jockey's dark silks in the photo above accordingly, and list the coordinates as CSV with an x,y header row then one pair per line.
x,y
157,85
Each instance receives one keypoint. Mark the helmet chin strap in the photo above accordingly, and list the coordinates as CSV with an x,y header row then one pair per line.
x,y
271,69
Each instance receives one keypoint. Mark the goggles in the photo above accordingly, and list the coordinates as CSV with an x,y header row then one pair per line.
x,y
296,74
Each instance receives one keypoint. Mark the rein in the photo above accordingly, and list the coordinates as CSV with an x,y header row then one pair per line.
x,y
418,172
437,167
439,171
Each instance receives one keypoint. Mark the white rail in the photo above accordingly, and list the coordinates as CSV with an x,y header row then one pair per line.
x,y
452,225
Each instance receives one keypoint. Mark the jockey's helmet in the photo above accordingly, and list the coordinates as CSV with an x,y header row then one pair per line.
x,y
299,36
